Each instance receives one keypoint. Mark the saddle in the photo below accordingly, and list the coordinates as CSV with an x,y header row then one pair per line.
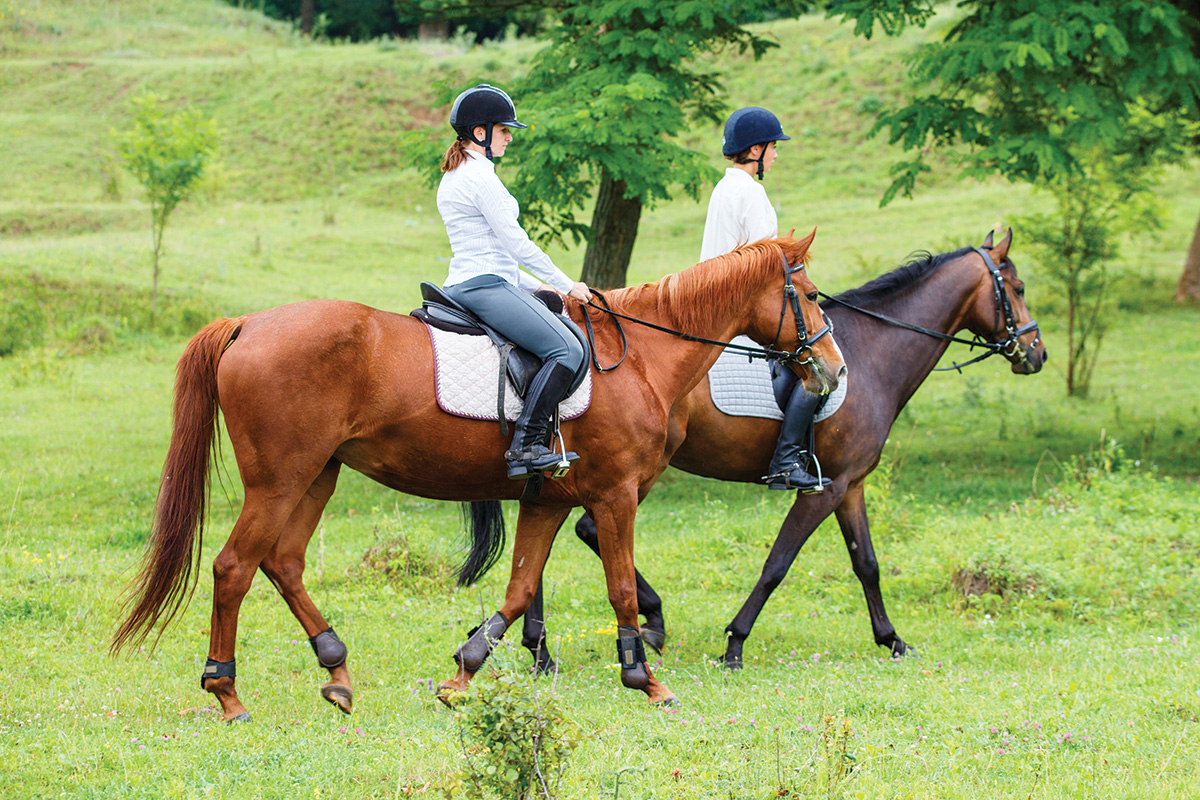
x,y
441,311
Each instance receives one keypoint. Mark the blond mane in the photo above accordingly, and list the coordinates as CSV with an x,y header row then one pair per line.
x,y
717,287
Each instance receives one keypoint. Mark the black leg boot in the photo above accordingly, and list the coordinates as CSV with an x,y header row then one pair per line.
x,y
529,454
789,465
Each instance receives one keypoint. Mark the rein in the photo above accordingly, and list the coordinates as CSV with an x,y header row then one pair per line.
x,y
766,353
1006,348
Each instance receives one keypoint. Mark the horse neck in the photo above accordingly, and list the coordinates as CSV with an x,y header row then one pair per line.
x,y
940,302
711,302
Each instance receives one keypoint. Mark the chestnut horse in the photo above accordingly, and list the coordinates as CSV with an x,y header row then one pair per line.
x,y
888,361
308,387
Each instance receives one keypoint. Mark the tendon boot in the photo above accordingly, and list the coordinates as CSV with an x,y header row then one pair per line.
x,y
529,454
789,465
480,642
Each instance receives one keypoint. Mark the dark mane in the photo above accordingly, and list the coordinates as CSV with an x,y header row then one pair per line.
x,y
910,273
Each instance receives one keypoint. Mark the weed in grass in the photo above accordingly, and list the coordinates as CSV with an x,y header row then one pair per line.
x,y
514,735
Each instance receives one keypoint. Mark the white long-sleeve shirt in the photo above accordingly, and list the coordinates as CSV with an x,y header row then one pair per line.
x,y
481,220
738,213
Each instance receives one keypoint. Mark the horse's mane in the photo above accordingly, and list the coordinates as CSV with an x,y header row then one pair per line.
x,y
712,288
918,266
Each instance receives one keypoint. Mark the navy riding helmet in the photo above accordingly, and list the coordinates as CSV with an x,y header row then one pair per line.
x,y
747,127
483,105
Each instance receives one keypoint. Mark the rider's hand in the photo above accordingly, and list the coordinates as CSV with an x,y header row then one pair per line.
x,y
580,292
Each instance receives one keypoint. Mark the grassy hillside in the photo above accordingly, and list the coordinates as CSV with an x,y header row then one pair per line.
x,y
1071,676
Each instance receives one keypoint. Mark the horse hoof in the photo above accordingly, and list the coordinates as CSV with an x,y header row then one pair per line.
x,y
901,650
655,639
669,701
340,696
449,694
242,717
731,663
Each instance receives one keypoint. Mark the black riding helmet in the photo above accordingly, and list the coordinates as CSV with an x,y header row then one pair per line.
x,y
747,127
483,105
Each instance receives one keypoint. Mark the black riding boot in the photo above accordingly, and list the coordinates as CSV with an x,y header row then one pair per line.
x,y
529,454
789,465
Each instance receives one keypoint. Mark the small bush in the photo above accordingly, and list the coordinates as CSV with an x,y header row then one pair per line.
x,y
995,578
22,324
397,562
516,739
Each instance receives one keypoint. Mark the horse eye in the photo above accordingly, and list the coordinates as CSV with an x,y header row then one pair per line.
x,y
1020,291
812,297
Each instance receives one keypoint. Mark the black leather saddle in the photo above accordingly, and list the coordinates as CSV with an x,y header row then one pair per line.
x,y
442,311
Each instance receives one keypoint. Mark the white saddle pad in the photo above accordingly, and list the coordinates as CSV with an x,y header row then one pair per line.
x,y
742,388
466,372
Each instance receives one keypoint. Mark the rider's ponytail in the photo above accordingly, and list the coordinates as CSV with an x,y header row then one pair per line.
x,y
455,154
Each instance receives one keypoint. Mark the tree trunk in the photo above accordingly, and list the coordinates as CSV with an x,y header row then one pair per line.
x,y
307,12
614,229
1189,282
433,30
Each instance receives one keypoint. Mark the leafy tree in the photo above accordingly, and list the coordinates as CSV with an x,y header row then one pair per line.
x,y
1105,197
167,154
615,83
1026,86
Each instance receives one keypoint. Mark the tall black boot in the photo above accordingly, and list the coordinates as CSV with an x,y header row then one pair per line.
x,y
789,465
529,454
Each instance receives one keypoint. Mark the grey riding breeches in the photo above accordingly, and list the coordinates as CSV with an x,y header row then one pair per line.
x,y
520,317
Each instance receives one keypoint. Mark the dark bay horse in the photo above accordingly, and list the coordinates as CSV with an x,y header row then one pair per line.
x,y
887,363
308,387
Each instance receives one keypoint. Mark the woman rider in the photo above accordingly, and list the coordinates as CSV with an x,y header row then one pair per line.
x,y
739,213
488,245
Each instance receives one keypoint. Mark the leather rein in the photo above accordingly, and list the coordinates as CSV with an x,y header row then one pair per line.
x,y
1008,348
790,296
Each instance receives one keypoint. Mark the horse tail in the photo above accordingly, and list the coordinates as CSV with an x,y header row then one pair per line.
x,y
167,578
486,520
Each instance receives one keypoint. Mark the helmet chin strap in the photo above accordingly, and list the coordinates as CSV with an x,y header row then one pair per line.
x,y
486,144
759,160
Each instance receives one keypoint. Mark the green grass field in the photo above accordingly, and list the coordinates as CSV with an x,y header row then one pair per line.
x,y
1074,677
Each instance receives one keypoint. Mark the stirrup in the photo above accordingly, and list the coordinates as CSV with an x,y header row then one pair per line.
x,y
782,480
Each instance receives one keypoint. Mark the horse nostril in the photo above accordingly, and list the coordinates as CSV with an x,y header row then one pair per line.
x,y
842,372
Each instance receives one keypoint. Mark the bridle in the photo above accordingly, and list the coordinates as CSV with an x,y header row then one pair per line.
x,y
791,296
1010,347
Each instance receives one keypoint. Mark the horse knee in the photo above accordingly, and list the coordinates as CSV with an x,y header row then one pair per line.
x,y
285,571
230,575
867,571
772,576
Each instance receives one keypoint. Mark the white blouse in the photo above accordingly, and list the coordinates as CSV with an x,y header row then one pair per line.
x,y
485,237
738,213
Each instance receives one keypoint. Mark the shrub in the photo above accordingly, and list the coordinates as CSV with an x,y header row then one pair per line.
x,y
516,739
22,324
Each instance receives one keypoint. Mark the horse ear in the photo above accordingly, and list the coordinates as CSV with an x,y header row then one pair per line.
x,y
805,243
792,234
987,243
1000,251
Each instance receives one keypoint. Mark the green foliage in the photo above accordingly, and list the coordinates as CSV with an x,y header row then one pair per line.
x,y
167,154
22,325
1025,86
1107,196
616,84
515,737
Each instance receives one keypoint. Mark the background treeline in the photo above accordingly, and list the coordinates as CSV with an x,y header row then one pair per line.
x,y
364,20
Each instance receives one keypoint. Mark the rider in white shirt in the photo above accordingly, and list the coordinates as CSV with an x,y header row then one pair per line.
x,y
739,212
489,245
